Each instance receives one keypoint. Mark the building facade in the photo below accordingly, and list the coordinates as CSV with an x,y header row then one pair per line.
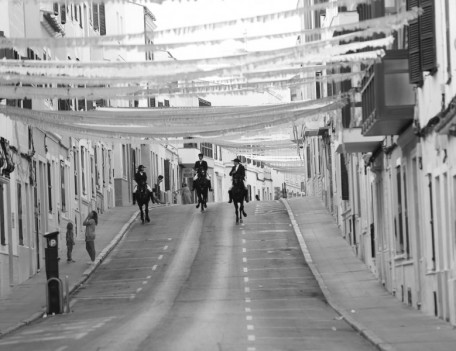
x,y
393,157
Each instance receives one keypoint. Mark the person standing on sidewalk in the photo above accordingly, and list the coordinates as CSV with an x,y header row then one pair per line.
x,y
69,241
90,223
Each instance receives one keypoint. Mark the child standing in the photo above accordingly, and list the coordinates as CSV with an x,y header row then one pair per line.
x,y
69,241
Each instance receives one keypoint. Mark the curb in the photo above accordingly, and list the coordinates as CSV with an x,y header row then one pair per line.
x,y
88,272
346,315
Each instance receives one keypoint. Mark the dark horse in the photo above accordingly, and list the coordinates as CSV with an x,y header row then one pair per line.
x,y
238,193
202,185
143,196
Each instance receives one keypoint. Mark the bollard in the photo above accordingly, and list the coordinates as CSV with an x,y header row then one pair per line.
x,y
54,296
67,293
54,286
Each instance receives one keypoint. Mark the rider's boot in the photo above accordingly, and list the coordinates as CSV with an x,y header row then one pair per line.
x,y
246,196
231,196
134,198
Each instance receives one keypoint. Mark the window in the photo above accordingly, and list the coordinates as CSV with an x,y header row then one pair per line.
x,y
206,149
83,171
344,178
109,166
49,181
399,233
92,172
2,215
309,167
318,85
103,165
101,10
190,145
62,186
62,14
96,21
406,217
421,38
431,220
124,161
75,166
448,38
20,227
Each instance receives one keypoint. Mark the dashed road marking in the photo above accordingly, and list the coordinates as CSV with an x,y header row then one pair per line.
x,y
133,258
154,267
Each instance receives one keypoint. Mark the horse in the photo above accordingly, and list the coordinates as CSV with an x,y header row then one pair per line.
x,y
143,196
202,185
238,193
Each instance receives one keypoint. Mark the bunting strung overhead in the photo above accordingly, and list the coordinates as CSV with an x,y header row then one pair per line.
x,y
393,22
183,123
260,18
262,132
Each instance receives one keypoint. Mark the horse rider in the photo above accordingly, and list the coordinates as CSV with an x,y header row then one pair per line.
x,y
140,179
200,164
238,170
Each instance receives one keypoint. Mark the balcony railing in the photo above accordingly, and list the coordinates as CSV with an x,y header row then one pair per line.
x,y
388,98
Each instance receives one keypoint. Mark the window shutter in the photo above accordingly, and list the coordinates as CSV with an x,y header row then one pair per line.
x,y
344,178
415,76
427,36
95,17
62,14
56,9
102,20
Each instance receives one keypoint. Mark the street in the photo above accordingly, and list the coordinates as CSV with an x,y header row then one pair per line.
x,y
197,281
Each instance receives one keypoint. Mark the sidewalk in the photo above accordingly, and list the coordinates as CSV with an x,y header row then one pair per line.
x,y
352,290
27,301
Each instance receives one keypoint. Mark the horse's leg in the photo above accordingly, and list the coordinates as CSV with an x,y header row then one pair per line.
x,y
146,209
142,213
236,211
242,209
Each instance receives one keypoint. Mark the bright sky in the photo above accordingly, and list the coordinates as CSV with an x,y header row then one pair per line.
x,y
172,14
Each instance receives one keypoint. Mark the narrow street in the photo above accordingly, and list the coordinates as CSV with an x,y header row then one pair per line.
x,y
197,281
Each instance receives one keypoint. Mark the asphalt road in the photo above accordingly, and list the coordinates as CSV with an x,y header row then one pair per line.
x,y
197,281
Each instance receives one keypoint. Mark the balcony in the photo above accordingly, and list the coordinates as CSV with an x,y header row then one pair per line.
x,y
352,141
388,98
52,25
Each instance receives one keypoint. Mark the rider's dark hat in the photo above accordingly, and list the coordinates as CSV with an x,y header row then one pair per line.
x,y
141,166
236,159
200,154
